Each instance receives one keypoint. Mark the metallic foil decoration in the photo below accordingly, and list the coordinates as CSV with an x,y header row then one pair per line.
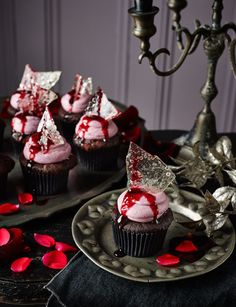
x,y
147,171
83,86
101,106
45,80
49,131
218,161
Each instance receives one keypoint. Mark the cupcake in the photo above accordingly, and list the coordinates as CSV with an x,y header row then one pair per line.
x,y
46,80
6,165
25,122
74,103
96,135
141,216
47,159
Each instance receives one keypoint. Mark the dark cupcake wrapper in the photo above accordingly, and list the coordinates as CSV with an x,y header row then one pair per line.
x,y
44,183
138,244
101,159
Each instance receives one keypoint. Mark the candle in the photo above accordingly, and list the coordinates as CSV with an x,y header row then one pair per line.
x,y
143,5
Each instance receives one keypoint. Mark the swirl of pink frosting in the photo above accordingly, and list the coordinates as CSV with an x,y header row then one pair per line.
x,y
74,106
141,206
95,128
25,124
17,97
54,154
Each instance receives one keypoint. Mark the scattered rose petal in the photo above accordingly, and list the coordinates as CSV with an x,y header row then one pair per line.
x,y
4,236
64,247
55,260
9,208
20,264
133,134
44,240
25,198
167,260
186,246
14,246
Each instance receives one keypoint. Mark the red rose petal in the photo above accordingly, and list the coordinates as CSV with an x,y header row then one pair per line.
x,y
44,240
167,260
14,246
4,236
133,134
9,208
25,198
64,247
186,246
20,264
55,260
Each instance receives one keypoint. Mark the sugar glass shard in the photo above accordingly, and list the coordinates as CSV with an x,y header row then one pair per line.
x,y
83,86
45,80
101,106
146,170
49,130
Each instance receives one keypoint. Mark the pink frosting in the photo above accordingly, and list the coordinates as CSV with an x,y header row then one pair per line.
x,y
93,130
15,99
77,106
141,211
25,124
55,153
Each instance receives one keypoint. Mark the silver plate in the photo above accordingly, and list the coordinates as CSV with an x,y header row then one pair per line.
x,y
92,232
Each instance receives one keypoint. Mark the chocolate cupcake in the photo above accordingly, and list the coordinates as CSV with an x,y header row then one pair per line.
x,y
74,103
142,216
96,135
31,78
6,165
47,159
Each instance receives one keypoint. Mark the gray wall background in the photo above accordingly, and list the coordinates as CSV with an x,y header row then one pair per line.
x,y
94,38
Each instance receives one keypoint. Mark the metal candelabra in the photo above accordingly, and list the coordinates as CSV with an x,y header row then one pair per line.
x,y
214,38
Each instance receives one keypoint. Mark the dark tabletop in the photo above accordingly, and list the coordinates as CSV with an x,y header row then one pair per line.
x,y
28,287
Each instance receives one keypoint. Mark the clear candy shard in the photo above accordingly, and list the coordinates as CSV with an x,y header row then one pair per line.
x,y
39,98
45,80
100,105
147,171
48,130
83,86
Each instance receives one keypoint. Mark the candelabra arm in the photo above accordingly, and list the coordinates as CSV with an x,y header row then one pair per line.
x,y
190,43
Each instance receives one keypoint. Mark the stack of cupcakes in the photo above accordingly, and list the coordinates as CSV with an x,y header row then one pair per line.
x,y
141,216
96,135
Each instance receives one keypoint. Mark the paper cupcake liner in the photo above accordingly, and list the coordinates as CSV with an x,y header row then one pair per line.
x,y
138,244
102,159
44,183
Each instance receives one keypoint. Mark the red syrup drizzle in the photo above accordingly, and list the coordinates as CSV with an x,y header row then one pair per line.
x,y
36,147
22,118
133,196
84,126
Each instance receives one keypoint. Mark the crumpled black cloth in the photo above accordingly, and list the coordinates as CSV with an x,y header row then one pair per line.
x,y
82,283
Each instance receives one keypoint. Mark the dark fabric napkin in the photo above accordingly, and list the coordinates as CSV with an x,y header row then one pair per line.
x,y
82,283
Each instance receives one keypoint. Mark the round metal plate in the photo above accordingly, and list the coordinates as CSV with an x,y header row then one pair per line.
x,y
92,232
